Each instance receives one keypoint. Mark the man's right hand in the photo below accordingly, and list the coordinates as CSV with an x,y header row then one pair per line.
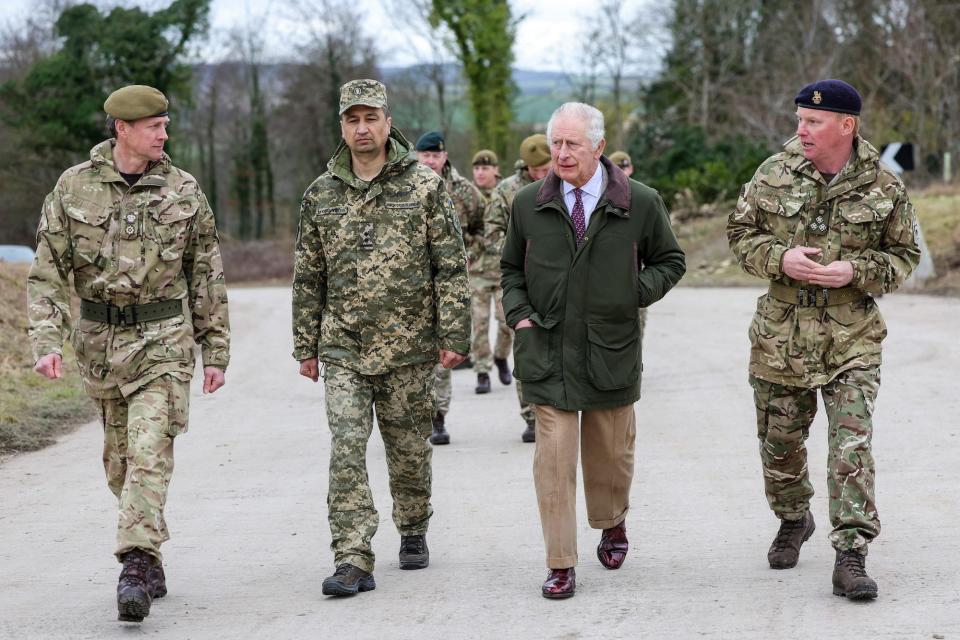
x,y
49,366
526,323
798,265
310,368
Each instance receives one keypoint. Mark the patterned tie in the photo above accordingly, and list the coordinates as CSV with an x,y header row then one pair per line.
x,y
579,223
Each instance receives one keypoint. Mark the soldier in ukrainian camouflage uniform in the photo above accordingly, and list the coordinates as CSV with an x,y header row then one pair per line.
x,y
485,288
379,296
829,226
534,164
468,202
140,239
622,159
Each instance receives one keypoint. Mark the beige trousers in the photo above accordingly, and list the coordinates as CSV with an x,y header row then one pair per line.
x,y
604,439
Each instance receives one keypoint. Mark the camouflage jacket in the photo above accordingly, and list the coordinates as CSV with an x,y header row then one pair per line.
x,y
497,214
380,277
864,216
469,203
154,241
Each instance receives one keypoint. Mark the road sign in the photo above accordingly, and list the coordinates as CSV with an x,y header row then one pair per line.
x,y
898,156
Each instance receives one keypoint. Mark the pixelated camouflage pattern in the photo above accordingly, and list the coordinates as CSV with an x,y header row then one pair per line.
x,y
404,408
154,241
380,276
484,292
863,216
370,93
442,389
469,203
138,433
784,416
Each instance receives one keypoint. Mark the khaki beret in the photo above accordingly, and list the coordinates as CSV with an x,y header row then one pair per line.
x,y
485,157
621,159
534,151
136,101
369,93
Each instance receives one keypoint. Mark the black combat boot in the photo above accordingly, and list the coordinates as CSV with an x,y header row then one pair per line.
x,y
530,433
133,590
785,550
413,552
483,383
850,577
439,435
157,581
348,580
503,370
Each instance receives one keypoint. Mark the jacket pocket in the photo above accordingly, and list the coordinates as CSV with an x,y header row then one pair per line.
x,y
772,334
613,354
88,228
531,354
862,222
856,329
171,220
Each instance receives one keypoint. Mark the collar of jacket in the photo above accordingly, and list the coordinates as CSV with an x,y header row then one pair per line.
x,y
101,157
862,169
616,194
399,158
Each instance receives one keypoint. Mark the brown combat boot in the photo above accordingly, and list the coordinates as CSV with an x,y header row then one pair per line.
x,y
133,589
850,577
785,550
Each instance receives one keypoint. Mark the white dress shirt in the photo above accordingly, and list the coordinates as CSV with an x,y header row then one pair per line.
x,y
589,194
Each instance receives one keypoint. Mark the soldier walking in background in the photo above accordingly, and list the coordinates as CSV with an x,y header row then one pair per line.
x,y
380,296
534,165
828,226
622,160
140,240
485,289
468,202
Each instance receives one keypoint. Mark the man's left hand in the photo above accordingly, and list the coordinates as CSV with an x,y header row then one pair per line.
x,y
836,274
213,379
450,359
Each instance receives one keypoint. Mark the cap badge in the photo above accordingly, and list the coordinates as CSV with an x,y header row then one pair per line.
x,y
817,98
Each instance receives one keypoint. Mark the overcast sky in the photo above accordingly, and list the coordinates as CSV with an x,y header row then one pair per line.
x,y
544,40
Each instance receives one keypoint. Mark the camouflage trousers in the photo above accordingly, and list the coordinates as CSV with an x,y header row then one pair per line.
x,y
442,389
784,415
403,403
483,292
642,321
138,433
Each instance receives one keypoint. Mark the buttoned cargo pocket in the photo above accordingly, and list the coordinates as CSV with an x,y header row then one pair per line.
x,y
771,334
88,226
171,224
779,202
862,221
613,355
857,329
531,354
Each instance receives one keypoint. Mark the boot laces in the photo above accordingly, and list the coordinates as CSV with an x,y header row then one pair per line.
x,y
787,530
135,569
412,545
854,563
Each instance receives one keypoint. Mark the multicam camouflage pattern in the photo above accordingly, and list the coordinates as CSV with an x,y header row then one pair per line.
x,y
380,277
404,410
366,92
469,203
138,433
863,216
486,291
442,389
784,415
154,241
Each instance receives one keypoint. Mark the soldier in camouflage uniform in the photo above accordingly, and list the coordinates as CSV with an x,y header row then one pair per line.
x,y
140,239
534,164
828,225
622,160
468,202
485,288
379,296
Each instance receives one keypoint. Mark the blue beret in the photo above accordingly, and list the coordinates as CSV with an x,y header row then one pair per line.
x,y
830,95
430,141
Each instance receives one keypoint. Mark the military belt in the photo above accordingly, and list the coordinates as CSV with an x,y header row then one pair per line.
x,y
815,296
131,314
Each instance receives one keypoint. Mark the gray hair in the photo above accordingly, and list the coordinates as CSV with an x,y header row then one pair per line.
x,y
591,116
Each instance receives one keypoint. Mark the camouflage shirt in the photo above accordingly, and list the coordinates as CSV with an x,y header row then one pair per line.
x,y
153,241
864,216
497,214
380,277
469,203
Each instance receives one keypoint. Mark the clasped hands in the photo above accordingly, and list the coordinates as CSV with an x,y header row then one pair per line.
x,y
798,265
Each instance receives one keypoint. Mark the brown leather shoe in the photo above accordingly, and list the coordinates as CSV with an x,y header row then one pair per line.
x,y
561,583
613,547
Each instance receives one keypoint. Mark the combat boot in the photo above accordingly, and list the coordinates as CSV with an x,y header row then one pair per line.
x,y
348,580
530,433
483,383
413,552
785,550
157,581
133,590
439,435
850,577
503,370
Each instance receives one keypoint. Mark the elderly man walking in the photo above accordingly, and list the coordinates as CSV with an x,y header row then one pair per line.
x,y
585,249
